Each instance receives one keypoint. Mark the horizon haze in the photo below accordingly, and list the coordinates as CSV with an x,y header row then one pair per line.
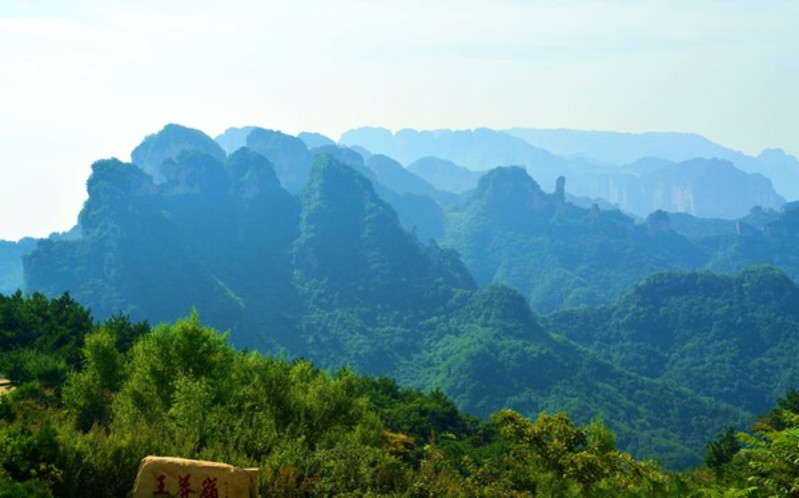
x,y
88,80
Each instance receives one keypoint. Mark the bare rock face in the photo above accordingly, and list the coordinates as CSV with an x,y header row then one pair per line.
x,y
560,190
181,477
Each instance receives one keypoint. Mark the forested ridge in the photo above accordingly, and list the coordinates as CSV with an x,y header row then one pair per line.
x,y
730,336
558,254
91,399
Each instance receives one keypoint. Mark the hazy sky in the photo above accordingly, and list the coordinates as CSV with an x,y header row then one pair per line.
x,y
82,80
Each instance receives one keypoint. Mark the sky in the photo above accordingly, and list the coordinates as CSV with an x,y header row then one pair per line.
x,y
82,80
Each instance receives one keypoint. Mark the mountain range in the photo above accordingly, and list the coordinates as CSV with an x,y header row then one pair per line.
x,y
698,185
615,148
329,270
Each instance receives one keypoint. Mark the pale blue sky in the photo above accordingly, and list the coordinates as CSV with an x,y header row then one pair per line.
x,y
82,80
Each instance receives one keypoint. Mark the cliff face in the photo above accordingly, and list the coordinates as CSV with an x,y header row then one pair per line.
x,y
608,147
700,187
642,175
11,276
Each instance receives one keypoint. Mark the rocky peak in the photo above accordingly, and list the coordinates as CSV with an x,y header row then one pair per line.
x,y
169,143
510,191
658,222
288,155
251,173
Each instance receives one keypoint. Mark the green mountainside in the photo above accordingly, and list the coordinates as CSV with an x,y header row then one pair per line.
x,y
732,337
509,231
149,251
491,352
558,254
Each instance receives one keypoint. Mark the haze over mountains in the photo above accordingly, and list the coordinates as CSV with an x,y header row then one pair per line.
x,y
607,147
633,178
426,256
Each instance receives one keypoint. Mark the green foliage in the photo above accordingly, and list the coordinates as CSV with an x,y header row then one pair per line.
x,y
32,488
40,337
772,459
553,456
158,363
29,365
28,454
721,451
763,463
776,417
90,390
182,390
42,323
414,413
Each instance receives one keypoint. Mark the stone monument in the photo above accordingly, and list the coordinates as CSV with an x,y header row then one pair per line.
x,y
184,478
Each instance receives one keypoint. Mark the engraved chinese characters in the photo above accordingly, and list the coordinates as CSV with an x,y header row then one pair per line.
x,y
184,478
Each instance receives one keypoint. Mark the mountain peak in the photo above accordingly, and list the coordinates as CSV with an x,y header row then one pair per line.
x,y
777,156
288,154
509,189
167,144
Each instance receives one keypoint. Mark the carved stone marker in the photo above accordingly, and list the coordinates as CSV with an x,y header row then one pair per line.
x,y
5,386
184,478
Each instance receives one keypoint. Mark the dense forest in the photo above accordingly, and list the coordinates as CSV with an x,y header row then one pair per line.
x,y
729,336
91,399
376,305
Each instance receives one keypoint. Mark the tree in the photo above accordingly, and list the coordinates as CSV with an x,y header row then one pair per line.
x,y
554,456
90,391
771,458
721,451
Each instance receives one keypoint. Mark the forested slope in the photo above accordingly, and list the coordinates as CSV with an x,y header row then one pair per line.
x,y
733,337
91,399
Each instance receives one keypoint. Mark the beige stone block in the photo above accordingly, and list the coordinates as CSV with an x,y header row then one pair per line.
x,y
5,386
184,478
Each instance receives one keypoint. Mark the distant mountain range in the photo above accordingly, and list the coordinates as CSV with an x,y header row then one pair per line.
x,y
614,148
698,185
510,231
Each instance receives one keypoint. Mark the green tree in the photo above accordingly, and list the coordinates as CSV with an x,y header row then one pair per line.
x,y
553,456
771,457
90,391
721,451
